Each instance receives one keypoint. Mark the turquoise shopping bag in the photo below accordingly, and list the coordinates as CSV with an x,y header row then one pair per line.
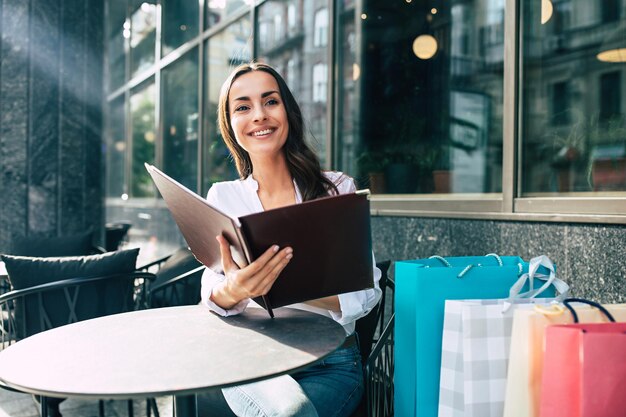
x,y
422,286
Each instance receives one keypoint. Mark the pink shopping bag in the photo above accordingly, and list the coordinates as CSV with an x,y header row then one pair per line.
x,y
584,373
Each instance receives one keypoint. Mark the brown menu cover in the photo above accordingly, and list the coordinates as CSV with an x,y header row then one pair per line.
x,y
330,237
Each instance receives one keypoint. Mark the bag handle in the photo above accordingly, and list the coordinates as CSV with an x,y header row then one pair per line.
x,y
584,301
468,267
550,310
533,272
443,260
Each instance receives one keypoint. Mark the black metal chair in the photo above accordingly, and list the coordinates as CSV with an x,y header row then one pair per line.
x,y
69,245
375,333
115,234
28,311
178,280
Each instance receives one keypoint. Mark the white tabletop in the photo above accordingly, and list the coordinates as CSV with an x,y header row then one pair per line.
x,y
176,350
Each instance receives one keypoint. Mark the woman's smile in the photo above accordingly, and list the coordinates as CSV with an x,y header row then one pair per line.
x,y
263,133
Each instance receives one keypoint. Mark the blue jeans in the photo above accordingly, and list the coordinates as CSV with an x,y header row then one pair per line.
x,y
332,387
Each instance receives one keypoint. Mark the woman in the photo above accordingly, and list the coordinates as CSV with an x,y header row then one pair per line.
x,y
262,126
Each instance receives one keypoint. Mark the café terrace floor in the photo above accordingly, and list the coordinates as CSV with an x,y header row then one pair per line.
x,y
14,404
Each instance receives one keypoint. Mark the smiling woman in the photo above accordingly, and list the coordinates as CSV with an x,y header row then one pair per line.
x,y
262,125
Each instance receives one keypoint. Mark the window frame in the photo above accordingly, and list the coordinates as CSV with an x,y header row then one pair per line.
x,y
509,205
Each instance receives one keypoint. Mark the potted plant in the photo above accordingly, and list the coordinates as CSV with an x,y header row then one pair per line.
x,y
567,147
607,160
371,164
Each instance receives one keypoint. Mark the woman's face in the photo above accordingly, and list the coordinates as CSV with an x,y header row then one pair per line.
x,y
257,114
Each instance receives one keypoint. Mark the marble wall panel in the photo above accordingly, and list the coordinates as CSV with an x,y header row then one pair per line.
x,y
44,119
50,122
72,117
596,262
94,87
591,258
14,93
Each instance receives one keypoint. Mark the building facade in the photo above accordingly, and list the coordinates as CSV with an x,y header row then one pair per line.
x,y
480,126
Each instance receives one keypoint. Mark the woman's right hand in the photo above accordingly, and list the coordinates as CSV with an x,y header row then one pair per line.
x,y
254,280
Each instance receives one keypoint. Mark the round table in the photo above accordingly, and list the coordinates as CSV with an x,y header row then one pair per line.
x,y
176,351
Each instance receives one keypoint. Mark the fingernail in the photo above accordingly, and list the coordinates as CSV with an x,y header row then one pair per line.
x,y
289,250
275,248
289,256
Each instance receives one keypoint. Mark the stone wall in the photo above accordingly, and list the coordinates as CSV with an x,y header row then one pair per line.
x,y
51,87
590,258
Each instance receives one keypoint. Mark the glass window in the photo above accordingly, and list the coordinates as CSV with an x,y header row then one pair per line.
x,y
179,87
426,103
118,30
348,121
573,128
320,82
143,135
142,35
116,149
223,51
217,10
179,23
321,28
289,49
610,10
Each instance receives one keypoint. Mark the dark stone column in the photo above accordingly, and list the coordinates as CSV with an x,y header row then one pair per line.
x,y
14,86
51,95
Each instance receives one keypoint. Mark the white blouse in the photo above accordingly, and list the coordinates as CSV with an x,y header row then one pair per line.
x,y
239,198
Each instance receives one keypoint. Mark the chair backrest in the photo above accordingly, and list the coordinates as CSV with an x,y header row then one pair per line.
x,y
40,246
366,326
114,234
35,309
178,281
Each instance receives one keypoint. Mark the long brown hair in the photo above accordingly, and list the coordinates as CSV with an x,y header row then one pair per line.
x,y
302,162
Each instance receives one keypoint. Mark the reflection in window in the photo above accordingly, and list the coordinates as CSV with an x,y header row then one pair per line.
x,y
320,37
179,23
292,20
348,121
142,35
116,149
320,82
611,96
426,104
278,28
573,121
217,10
291,72
223,52
180,119
560,103
610,10
143,136
290,52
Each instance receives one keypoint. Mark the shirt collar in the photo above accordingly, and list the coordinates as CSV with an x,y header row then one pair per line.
x,y
253,185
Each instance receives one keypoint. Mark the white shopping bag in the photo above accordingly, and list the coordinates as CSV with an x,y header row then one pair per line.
x,y
475,348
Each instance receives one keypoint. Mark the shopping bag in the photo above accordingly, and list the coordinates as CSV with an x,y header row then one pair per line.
x,y
475,348
526,359
584,372
422,286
